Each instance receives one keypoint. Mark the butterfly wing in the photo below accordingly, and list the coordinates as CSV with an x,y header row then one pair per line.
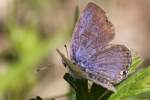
x,y
91,50
112,63
92,31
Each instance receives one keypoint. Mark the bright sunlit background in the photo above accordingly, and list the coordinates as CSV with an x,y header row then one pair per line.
x,y
31,30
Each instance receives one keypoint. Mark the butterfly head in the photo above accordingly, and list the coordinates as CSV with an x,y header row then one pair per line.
x,y
74,68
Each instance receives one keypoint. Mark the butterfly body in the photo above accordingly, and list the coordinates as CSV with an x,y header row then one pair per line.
x,y
101,61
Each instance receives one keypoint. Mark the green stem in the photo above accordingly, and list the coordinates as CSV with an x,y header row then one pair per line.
x,y
103,95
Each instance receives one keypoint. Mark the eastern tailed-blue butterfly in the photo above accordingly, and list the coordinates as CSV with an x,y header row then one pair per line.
x,y
92,55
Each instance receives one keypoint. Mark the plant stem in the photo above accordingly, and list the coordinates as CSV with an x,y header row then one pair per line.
x,y
103,95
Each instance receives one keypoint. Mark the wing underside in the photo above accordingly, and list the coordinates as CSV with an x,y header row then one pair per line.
x,y
93,30
91,50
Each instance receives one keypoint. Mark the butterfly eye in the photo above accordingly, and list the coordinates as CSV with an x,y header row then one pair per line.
x,y
65,65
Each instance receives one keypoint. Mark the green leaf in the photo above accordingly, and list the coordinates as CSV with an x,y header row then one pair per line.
x,y
136,61
135,85
142,96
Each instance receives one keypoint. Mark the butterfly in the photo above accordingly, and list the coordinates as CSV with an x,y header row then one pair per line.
x,y
92,54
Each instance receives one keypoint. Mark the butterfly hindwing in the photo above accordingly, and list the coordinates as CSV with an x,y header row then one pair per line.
x,y
112,63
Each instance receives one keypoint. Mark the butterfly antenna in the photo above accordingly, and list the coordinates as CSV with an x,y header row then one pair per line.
x,y
66,50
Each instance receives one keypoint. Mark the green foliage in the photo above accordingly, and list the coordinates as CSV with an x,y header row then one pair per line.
x,y
136,61
135,85
30,50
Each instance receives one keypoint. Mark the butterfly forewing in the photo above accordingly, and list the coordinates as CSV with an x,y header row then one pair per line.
x,y
92,30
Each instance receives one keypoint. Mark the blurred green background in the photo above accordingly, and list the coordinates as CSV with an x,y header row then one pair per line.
x,y
31,30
